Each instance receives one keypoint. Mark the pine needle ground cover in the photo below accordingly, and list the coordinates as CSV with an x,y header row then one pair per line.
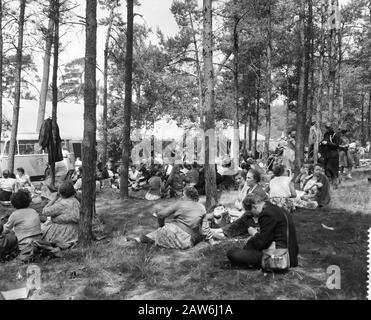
x,y
115,268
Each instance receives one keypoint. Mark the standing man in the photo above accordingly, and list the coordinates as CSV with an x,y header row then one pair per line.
x,y
329,150
344,161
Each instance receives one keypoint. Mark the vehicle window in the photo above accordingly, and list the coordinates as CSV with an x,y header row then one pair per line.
x,y
29,147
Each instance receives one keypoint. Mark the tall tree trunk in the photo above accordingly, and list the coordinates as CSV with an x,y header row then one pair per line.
x,y
320,98
258,88
369,117
124,177
340,104
105,89
309,72
300,115
89,155
54,81
287,102
269,84
369,97
251,125
363,118
46,69
332,73
17,94
210,146
198,68
1,67
287,120
236,130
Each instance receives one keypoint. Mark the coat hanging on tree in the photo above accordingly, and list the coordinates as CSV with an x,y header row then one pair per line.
x,y
46,141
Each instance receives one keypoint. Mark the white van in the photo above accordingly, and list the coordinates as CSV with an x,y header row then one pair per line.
x,y
28,155
31,157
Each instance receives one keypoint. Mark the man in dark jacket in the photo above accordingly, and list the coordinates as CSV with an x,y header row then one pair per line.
x,y
329,150
273,232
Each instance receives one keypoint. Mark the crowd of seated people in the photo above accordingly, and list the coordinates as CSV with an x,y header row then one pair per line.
x,y
261,212
11,183
164,180
313,191
25,231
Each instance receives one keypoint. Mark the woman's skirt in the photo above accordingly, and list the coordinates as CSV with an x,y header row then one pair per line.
x,y
171,236
149,196
67,233
285,203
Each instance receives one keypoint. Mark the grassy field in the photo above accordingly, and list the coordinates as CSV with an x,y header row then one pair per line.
x,y
118,269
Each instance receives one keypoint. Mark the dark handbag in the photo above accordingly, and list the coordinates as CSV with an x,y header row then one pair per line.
x,y
277,259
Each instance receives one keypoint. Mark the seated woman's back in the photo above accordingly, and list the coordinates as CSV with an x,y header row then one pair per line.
x,y
155,184
64,210
186,212
26,223
280,187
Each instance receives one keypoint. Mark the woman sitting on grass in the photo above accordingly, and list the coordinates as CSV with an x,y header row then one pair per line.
x,y
25,223
64,210
155,187
272,234
317,189
239,227
281,189
188,223
23,181
7,186
242,189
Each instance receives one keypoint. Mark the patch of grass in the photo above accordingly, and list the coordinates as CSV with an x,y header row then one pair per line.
x,y
93,290
353,195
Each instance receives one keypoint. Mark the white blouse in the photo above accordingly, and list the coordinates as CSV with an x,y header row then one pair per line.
x,y
280,187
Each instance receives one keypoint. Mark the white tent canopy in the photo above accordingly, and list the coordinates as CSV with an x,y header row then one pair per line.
x,y
228,133
70,117
167,129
